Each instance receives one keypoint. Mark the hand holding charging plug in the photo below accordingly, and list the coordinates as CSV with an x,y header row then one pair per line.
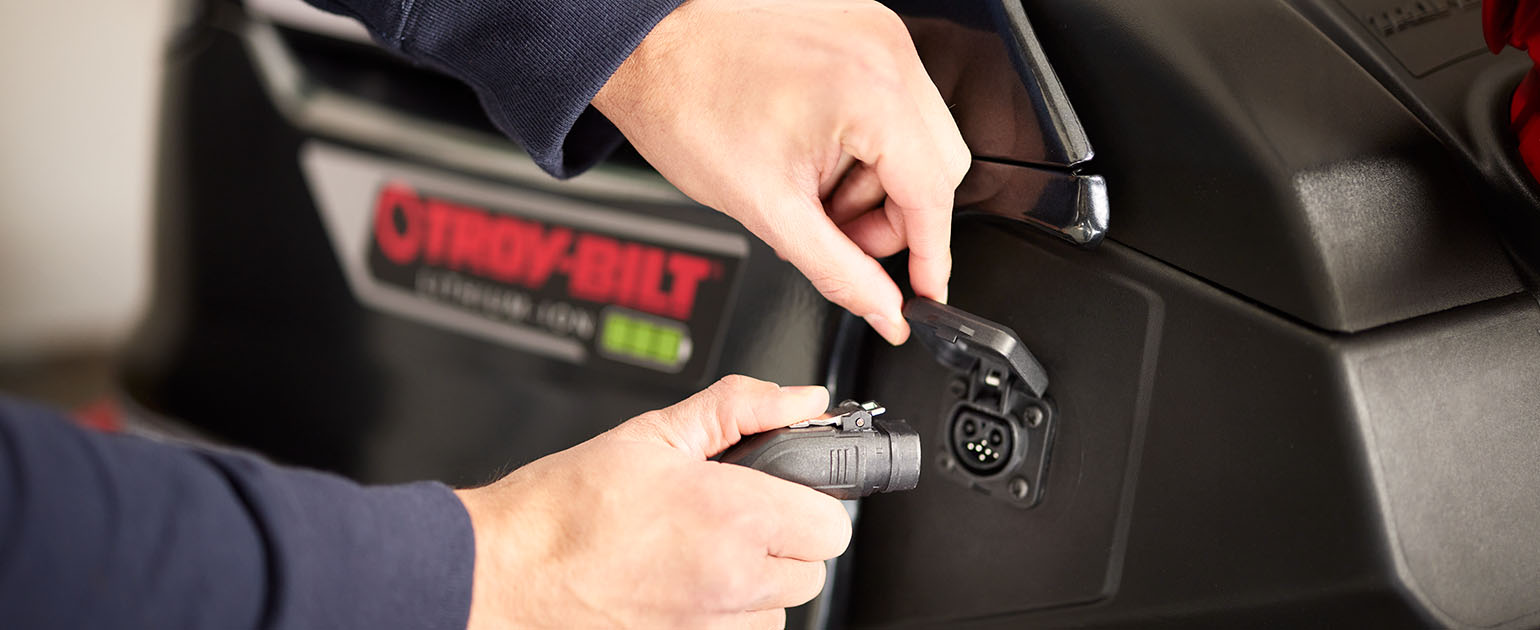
x,y
637,527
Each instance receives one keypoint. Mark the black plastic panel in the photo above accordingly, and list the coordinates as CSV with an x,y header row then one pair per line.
x,y
1464,102
1243,145
1452,417
965,554
1286,477
1249,504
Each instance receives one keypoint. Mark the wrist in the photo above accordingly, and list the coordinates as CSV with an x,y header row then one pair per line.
x,y
627,87
490,607
515,535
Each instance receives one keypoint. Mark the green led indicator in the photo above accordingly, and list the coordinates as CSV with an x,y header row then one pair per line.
x,y
625,336
666,344
612,336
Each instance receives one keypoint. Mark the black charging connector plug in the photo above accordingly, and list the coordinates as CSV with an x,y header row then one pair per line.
x,y
847,454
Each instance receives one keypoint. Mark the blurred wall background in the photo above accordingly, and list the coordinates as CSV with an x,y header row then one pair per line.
x,y
79,81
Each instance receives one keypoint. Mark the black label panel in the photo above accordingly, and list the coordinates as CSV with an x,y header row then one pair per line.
x,y
553,276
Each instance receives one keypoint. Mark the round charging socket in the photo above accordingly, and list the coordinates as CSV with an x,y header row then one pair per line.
x,y
982,443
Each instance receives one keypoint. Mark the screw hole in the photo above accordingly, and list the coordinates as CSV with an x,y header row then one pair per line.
x,y
1019,488
1034,417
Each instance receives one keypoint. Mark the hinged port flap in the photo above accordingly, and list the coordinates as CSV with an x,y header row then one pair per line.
x,y
961,340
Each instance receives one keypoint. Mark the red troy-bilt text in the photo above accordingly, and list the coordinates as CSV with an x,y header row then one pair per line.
x,y
411,228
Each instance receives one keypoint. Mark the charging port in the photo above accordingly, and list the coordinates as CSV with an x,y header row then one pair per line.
x,y
1001,425
982,444
1002,455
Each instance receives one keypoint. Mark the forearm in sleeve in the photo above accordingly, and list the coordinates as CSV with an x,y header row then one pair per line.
x,y
536,64
101,531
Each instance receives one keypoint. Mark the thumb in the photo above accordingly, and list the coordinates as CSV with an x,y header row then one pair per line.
x,y
708,422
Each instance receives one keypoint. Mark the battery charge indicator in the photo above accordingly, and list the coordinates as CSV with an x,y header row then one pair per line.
x,y
635,338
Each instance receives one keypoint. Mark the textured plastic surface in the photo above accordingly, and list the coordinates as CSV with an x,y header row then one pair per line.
x,y
1457,102
1223,416
1451,417
1243,144
1283,477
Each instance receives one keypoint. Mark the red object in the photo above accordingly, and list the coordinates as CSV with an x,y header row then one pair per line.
x,y
1516,23
411,229
102,415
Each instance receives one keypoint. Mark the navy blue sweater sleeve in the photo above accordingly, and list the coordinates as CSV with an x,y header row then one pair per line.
x,y
536,64
112,531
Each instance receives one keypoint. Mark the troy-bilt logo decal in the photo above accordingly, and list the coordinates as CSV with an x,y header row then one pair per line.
x,y
542,273
410,228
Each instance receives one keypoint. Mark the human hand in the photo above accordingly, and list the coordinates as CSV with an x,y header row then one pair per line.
x,y
814,124
635,528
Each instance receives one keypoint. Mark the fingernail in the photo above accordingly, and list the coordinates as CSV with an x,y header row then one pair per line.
x,y
804,390
891,331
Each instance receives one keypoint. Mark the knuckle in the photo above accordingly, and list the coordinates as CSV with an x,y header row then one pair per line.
x,y
746,522
938,198
872,70
881,76
959,164
837,288
651,425
863,135
727,509
712,583
714,506
732,384
649,422
724,582
944,198
872,59
886,21
732,590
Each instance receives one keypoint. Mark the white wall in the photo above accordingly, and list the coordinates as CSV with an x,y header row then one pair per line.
x,y
78,83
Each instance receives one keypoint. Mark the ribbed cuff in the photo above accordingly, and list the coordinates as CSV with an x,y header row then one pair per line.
x,y
536,65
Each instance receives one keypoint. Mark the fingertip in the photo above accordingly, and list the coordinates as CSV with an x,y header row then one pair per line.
x,y
895,332
930,277
937,293
844,515
814,399
840,523
804,389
